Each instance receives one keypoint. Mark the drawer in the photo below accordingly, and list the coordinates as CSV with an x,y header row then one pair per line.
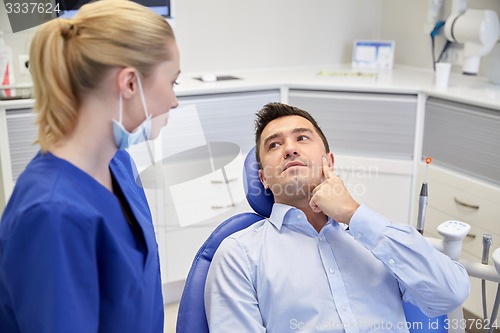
x,y
200,199
179,249
196,200
463,198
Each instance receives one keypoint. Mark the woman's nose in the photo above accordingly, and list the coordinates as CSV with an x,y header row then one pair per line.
x,y
175,103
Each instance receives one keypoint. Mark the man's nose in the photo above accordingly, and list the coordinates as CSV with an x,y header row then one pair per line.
x,y
290,151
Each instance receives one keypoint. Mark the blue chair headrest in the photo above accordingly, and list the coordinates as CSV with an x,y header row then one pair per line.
x,y
260,199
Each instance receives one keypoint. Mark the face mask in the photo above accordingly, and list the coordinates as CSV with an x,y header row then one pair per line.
x,y
124,138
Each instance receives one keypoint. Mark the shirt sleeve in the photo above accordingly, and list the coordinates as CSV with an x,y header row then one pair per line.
x,y
427,278
230,298
50,271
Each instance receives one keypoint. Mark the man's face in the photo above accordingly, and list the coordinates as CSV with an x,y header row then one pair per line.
x,y
291,153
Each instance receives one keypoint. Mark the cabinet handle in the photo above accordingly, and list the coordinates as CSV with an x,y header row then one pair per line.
x,y
217,181
223,206
471,236
461,203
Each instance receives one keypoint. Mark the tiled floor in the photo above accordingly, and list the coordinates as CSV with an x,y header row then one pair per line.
x,y
171,317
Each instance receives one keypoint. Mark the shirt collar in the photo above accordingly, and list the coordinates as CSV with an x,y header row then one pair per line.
x,y
278,214
292,218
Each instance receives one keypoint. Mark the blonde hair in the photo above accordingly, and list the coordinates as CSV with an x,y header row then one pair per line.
x,y
69,58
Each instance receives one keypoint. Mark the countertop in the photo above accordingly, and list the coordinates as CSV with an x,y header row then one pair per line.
x,y
400,80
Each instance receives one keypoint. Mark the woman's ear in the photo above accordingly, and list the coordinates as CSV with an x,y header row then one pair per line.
x,y
127,82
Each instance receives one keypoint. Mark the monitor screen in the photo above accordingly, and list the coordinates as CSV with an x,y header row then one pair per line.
x,y
68,8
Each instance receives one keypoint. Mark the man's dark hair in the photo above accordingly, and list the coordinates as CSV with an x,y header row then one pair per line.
x,y
275,110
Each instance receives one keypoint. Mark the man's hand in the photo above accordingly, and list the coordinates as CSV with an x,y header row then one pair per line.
x,y
332,197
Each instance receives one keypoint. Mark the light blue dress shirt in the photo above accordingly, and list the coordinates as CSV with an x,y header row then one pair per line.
x,y
281,275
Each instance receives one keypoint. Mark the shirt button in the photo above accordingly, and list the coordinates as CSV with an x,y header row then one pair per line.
x,y
331,270
299,216
391,261
322,239
343,308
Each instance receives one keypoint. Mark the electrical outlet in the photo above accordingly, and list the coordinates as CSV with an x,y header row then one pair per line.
x,y
24,65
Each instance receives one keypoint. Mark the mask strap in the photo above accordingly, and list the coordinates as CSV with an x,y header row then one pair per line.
x,y
142,96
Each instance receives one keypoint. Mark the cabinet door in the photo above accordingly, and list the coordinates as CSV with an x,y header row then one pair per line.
x,y
363,124
464,138
22,133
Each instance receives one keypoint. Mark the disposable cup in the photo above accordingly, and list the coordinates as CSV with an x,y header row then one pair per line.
x,y
442,75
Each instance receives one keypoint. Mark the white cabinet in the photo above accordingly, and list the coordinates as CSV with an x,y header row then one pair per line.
x,y
464,178
372,137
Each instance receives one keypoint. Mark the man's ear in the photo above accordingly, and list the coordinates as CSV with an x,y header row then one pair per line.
x,y
127,82
330,159
262,179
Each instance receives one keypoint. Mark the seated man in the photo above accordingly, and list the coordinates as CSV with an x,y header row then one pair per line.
x,y
321,262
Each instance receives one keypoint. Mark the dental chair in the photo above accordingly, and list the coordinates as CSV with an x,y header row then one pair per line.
x,y
191,316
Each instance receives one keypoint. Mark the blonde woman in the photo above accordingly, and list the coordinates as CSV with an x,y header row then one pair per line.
x,y
77,246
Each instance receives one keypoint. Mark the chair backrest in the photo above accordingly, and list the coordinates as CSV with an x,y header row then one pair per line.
x,y
191,316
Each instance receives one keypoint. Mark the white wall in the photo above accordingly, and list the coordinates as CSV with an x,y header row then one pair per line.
x,y
229,34
220,35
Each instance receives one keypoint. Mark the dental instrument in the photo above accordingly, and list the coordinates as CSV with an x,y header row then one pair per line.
x,y
422,202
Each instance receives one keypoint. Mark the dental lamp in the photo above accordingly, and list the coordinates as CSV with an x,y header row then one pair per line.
x,y
477,30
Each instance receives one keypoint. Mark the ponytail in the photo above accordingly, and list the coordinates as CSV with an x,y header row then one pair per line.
x,y
56,103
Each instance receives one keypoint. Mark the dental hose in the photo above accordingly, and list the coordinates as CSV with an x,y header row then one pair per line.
x,y
487,241
494,313
484,260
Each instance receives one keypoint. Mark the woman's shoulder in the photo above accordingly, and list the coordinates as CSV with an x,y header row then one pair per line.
x,y
49,181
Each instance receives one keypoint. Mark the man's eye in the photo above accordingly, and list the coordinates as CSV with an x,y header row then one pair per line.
x,y
273,145
302,138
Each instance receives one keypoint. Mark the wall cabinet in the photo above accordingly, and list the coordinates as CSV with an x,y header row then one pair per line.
x,y
464,178
372,137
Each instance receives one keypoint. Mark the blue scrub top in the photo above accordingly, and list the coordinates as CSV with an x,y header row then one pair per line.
x,y
69,261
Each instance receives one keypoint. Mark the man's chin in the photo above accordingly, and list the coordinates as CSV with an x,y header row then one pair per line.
x,y
294,188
